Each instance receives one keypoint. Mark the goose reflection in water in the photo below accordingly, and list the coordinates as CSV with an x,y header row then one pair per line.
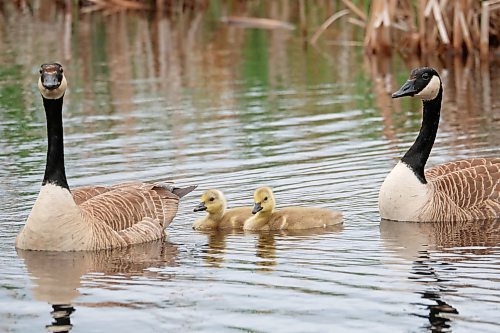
x,y
62,321
56,276
426,245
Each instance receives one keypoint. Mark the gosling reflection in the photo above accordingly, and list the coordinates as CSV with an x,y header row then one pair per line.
x,y
57,276
217,244
417,242
266,252
62,322
266,247
213,253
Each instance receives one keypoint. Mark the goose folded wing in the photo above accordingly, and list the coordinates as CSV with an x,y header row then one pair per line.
x,y
447,168
475,189
82,194
122,206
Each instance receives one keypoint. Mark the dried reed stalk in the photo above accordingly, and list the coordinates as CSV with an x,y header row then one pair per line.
x,y
327,23
257,22
486,7
114,5
415,27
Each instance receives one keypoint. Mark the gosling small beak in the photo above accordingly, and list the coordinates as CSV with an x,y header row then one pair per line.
x,y
201,207
256,208
408,89
50,81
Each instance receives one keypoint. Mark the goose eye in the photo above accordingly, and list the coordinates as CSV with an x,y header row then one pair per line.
x,y
265,199
212,199
425,76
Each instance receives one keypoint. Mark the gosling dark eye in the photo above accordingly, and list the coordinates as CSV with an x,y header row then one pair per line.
x,y
212,199
425,76
265,199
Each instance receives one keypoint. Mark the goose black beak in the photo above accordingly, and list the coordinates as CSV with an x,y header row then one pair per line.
x,y
408,89
256,208
51,81
201,207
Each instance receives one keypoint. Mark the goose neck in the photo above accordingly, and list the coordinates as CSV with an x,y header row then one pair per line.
x,y
262,218
416,157
54,168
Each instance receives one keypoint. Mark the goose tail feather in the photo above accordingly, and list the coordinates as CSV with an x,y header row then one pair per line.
x,y
182,191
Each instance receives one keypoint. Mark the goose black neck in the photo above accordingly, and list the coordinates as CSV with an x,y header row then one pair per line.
x,y
416,157
54,169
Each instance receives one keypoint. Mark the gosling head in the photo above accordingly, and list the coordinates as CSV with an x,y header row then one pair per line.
x,y
212,201
424,83
263,200
52,82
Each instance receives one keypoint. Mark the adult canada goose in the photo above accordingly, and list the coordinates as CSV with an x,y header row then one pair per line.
x,y
219,217
464,190
89,218
288,218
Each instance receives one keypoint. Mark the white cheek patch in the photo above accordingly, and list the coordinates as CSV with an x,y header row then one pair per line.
x,y
54,93
431,90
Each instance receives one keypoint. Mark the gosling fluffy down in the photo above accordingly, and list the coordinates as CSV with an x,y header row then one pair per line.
x,y
214,203
288,218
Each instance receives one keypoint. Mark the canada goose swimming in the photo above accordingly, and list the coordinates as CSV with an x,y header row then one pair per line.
x,y
89,218
219,217
464,190
288,218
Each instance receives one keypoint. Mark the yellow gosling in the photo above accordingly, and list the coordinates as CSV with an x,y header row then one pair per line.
x,y
288,218
219,217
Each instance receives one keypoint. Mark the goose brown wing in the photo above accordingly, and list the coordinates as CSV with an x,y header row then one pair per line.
x,y
82,194
125,205
447,168
472,185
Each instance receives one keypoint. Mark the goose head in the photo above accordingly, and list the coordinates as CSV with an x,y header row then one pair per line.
x,y
424,83
52,82
212,201
263,200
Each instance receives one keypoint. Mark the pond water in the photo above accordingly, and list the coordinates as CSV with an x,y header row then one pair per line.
x,y
199,102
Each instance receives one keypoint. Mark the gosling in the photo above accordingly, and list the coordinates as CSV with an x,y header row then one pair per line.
x,y
219,217
288,218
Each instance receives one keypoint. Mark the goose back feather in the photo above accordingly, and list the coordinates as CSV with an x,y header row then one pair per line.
x,y
463,190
